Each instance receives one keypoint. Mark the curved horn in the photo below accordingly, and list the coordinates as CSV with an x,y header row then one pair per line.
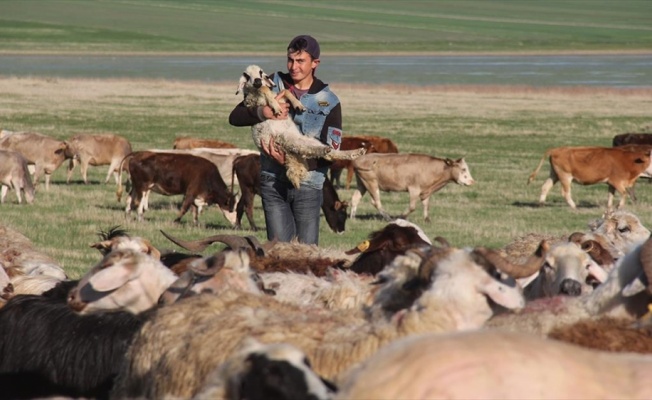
x,y
531,266
576,237
209,266
201,244
441,241
646,261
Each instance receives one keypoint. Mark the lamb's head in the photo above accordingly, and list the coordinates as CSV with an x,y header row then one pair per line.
x,y
622,229
254,78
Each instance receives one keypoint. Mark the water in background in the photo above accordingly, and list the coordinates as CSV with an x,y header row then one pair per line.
x,y
615,71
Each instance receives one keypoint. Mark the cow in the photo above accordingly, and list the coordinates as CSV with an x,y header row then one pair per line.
x,y
418,174
45,153
617,167
14,174
186,143
222,158
196,178
632,138
247,170
373,144
96,149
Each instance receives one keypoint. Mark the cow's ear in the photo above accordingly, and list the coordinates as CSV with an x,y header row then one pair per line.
x,y
448,162
103,245
460,160
337,205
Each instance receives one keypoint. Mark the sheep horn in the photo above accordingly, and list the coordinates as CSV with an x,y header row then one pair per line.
x,y
646,261
441,241
576,237
200,245
254,243
531,266
210,266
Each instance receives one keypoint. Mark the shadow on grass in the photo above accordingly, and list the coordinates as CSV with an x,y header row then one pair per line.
x,y
555,204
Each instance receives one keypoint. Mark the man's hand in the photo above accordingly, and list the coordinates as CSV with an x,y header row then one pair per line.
x,y
272,150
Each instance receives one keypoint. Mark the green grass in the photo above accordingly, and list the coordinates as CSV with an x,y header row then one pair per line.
x,y
340,25
501,132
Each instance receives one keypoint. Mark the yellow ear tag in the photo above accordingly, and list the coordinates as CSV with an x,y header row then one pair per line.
x,y
363,246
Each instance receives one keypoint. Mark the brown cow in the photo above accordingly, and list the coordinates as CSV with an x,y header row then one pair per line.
x,y
590,165
44,152
14,174
169,174
186,143
373,144
95,150
418,174
247,170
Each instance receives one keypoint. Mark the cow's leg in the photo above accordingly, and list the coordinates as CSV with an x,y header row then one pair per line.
x,y
3,193
47,180
84,170
113,168
414,195
17,185
426,208
355,199
187,202
71,167
375,200
547,185
566,191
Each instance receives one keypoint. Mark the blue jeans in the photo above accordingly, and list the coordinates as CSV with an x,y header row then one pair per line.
x,y
290,212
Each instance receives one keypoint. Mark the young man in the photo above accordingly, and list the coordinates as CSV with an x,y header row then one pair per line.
x,y
291,212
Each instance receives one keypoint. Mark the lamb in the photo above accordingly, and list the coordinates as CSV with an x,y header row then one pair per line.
x,y
496,365
462,279
273,371
255,85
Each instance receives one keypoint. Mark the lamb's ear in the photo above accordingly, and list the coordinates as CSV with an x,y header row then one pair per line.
x,y
243,79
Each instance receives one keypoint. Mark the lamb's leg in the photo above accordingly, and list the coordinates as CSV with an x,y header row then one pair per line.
x,y
303,146
345,154
297,170
294,102
270,99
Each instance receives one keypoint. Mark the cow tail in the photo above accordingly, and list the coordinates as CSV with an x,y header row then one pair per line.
x,y
119,191
536,170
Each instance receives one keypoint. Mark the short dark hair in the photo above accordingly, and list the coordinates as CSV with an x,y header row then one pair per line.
x,y
306,43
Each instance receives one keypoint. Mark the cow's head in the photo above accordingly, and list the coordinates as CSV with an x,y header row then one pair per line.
x,y
336,216
460,171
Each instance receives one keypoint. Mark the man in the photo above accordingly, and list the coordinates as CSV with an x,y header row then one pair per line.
x,y
291,212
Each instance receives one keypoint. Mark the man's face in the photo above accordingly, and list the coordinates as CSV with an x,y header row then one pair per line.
x,y
300,65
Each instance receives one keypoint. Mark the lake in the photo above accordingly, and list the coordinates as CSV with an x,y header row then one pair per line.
x,y
614,71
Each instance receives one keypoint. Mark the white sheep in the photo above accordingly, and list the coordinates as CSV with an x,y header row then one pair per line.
x,y
182,343
495,365
256,85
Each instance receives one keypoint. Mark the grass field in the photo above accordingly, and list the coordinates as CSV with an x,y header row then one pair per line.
x,y
501,131
340,25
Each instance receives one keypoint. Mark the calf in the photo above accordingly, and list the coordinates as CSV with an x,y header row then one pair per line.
x,y
14,174
418,174
169,174
95,150
617,167
44,152
373,144
186,143
247,170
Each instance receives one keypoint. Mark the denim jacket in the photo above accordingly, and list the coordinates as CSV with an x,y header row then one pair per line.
x,y
310,123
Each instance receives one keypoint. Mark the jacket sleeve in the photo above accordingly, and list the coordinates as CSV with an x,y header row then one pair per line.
x,y
334,120
243,116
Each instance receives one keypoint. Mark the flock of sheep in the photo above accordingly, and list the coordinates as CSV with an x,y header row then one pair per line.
x,y
399,316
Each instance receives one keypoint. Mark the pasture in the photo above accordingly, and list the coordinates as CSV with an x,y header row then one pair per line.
x,y
501,131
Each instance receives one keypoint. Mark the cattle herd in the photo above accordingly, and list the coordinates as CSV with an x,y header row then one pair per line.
x,y
400,315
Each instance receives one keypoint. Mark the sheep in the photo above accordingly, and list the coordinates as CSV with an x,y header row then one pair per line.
x,y
607,334
541,316
48,350
266,371
256,87
17,251
495,365
568,270
157,366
